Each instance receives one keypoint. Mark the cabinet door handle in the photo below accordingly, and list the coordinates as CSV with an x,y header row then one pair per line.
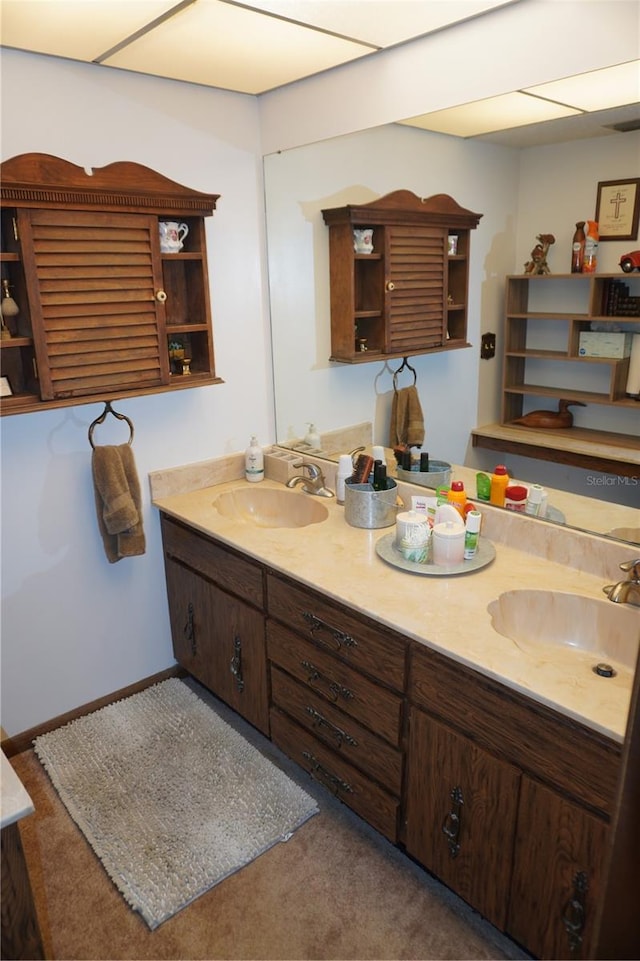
x,y
161,296
316,624
236,663
189,630
335,690
320,773
390,285
574,914
453,822
320,721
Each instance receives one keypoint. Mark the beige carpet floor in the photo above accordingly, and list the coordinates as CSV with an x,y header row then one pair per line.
x,y
336,890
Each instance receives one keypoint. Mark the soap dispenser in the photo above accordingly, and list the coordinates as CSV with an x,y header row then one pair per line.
x,y
254,461
312,437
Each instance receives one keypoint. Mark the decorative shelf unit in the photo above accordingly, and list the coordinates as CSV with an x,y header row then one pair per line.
x,y
545,316
409,295
103,314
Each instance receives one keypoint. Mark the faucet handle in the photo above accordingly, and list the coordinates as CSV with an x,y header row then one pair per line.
x,y
632,568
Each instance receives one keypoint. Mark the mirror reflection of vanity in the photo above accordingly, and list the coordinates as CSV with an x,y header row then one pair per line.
x,y
458,390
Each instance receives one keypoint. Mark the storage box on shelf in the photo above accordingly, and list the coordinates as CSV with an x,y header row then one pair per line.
x,y
409,294
103,313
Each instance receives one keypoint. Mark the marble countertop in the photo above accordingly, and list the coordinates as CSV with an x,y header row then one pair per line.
x,y
16,803
449,614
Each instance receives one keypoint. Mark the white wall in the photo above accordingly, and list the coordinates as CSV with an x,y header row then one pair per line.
x,y
74,627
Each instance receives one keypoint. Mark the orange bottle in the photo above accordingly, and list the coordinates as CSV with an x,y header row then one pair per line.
x,y
457,497
499,482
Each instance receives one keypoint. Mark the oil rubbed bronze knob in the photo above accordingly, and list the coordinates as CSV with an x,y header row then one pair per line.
x,y
161,296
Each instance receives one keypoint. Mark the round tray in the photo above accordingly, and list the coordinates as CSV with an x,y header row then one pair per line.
x,y
387,550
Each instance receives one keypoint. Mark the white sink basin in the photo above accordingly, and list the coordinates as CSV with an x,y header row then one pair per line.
x,y
265,507
599,628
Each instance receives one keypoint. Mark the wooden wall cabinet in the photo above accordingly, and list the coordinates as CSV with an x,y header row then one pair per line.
x,y
409,295
103,313
544,318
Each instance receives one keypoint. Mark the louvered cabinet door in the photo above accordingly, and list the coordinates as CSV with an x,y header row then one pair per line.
x,y
416,288
97,301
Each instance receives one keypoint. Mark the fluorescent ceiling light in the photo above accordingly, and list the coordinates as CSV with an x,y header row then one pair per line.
x,y
486,116
76,29
379,22
596,90
229,46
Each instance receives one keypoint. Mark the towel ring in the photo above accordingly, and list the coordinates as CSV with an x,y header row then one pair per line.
x,y
405,365
108,409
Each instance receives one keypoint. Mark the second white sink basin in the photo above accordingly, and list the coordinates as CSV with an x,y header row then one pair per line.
x,y
266,507
533,619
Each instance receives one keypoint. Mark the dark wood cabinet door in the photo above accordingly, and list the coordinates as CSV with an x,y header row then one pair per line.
x,y
416,287
461,815
220,641
558,872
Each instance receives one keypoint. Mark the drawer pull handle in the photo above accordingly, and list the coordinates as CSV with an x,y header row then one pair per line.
x,y
341,639
320,773
236,664
574,914
320,721
189,630
335,690
453,822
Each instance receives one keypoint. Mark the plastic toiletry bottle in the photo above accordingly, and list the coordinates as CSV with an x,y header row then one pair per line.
x,y
345,470
499,483
424,462
515,497
377,452
472,534
457,497
254,461
312,437
534,500
483,486
379,476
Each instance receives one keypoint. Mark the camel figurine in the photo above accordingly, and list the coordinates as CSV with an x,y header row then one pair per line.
x,y
551,419
538,263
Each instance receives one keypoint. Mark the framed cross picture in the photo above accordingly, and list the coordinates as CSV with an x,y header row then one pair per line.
x,y
617,209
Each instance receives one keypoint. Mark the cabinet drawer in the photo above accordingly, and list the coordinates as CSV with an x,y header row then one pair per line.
x,y
228,570
344,781
554,748
380,710
362,644
341,733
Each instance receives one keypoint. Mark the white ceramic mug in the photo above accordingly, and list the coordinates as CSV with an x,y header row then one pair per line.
x,y
363,240
172,236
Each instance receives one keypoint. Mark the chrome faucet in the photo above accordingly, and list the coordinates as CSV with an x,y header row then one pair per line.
x,y
313,483
626,592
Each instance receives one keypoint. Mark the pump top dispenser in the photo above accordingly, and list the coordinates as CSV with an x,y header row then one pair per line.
x,y
254,461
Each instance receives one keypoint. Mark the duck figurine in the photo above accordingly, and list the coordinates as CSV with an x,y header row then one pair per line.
x,y
550,419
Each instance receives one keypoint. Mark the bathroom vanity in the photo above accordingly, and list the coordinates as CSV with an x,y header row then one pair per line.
x,y
493,766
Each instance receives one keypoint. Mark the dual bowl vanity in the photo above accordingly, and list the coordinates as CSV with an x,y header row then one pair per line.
x,y
462,717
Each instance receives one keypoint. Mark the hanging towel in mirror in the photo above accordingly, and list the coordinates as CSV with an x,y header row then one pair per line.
x,y
407,421
118,501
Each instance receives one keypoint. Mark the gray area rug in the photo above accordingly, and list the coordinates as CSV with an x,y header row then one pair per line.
x,y
169,796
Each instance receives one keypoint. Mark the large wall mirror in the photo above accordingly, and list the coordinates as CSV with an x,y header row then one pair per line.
x,y
520,192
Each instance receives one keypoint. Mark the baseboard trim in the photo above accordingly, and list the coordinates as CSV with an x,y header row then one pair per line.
x,y
24,741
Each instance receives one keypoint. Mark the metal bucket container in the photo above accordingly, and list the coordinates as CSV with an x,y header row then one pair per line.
x,y
438,475
364,507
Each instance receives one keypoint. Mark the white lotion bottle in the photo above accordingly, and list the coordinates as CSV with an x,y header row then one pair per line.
x,y
345,470
254,462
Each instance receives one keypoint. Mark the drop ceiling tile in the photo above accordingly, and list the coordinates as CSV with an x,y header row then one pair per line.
x,y
494,113
76,29
377,21
223,45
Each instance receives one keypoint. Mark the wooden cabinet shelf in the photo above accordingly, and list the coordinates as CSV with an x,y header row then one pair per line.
x,y
408,296
544,318
102,311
